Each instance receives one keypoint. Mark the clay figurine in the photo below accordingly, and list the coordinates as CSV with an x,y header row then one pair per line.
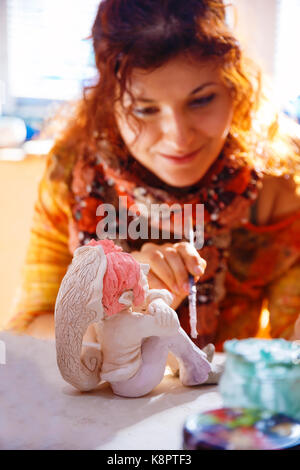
x,y
135,326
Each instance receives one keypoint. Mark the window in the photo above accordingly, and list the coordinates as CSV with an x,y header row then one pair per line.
x,y
269,32
48,58
287,64
48,54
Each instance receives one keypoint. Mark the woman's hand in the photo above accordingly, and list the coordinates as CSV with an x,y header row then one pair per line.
x,y
170,266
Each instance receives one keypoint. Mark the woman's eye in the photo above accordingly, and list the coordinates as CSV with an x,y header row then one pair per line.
x,y
145,111
203,101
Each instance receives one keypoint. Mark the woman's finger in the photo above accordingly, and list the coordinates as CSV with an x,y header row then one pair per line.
x,y
178,267
155,283
161,268
191,258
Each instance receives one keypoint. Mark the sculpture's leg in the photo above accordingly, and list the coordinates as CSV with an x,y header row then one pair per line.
x,y
217,367
194,367
154,358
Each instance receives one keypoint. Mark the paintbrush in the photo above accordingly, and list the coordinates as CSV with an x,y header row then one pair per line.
x,y
193,289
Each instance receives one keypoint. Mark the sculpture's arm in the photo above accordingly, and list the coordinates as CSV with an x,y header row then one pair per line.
x,y
162,321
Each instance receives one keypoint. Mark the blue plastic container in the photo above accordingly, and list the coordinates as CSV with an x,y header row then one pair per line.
x,y
263,374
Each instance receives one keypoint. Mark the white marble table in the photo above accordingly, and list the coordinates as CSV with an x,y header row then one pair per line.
x,y
38,410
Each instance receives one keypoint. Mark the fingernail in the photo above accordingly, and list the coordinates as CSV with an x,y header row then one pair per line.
x,y
198,270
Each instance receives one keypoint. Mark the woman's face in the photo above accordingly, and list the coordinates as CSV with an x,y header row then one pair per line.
x,y
185,112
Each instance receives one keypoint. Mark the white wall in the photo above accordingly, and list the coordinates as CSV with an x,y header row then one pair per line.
x,y
3,54
18,193
256,28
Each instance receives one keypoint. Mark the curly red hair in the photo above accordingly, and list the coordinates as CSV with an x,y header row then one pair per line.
x,y
146,34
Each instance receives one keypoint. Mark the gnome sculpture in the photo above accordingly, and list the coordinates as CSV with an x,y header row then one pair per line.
x,y
135,326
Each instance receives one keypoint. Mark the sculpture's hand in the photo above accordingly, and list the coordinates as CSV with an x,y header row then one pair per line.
x,y
164,315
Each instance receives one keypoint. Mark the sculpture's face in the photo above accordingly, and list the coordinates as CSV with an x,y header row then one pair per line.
x,y
127,297
184,112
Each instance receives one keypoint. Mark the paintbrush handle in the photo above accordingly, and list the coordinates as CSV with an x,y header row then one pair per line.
x,y
192,306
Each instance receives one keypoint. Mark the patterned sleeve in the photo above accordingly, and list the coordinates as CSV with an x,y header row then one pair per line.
x,y
280,260
284,303
48,254
264,263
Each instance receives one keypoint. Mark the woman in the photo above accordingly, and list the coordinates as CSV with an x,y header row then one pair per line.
x,y
177,116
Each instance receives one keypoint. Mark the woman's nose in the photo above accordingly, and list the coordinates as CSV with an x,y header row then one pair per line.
x,y
179,130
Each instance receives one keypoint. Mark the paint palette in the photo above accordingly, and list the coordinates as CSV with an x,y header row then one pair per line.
x,y
241,429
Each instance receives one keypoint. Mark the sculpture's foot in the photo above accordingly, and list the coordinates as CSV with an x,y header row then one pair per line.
x,y
217,365
194,368
173,364
195,372
209,350
215,373
193,364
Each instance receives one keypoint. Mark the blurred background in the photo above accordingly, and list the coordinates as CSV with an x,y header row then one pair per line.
x,y
45,60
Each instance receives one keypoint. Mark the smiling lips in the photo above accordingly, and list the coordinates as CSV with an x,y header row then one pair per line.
x,y
180,159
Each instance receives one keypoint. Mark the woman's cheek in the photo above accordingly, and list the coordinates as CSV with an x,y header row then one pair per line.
x,y
209,124
128,130
216,124
128,134
146,141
